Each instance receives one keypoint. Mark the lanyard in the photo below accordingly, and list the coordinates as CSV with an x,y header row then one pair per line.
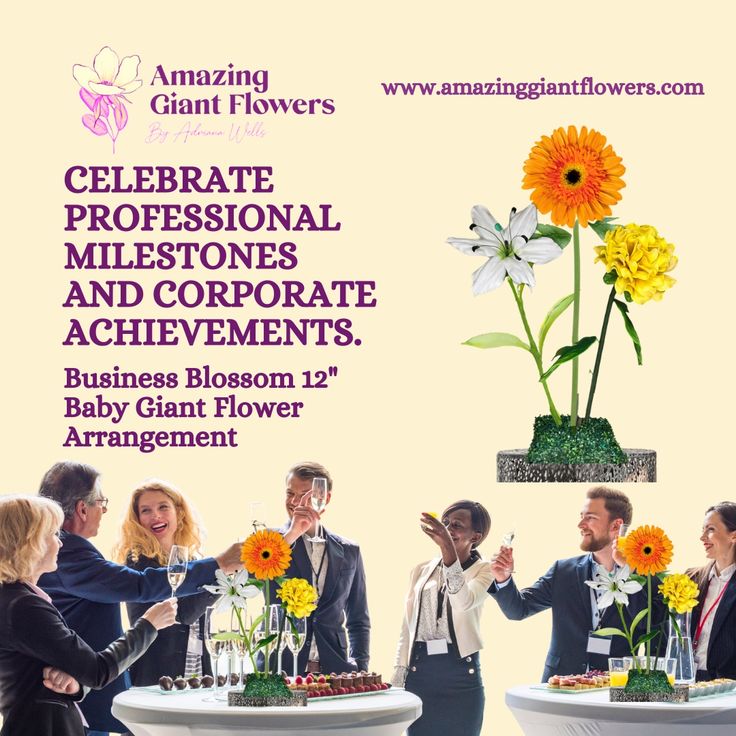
x,y
705,616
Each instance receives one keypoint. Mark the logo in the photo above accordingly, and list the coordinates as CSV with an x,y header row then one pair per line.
x,y
104,89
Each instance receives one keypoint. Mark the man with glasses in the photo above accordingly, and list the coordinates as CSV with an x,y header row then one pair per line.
x,y
88,589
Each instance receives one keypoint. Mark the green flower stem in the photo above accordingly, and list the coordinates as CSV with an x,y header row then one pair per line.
x,y
629,634
535,353
599,353
266,623
649,617
243,633
575,321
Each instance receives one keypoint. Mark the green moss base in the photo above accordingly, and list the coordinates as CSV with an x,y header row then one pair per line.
x,y
258,685
592,441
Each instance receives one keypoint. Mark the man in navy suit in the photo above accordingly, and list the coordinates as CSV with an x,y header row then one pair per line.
x,y
338,631
87,589
575,615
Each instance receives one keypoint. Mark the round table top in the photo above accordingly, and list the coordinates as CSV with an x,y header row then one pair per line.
x,y
151,706
595,705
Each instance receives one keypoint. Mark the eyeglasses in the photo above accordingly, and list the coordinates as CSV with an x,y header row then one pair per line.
x,y
102,502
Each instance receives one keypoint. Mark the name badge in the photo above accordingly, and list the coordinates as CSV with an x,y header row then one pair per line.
x,y
598,644
437,646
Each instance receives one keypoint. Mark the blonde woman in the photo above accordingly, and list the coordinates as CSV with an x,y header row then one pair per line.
x,y
159,517
37,698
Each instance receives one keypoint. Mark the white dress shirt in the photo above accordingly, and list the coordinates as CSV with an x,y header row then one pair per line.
x,y
716,584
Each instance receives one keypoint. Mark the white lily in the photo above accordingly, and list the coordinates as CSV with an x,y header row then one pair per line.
x,y
509,251
109,76
615,585
232,589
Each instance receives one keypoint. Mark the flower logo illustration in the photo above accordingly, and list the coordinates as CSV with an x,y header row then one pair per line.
x,y
104,87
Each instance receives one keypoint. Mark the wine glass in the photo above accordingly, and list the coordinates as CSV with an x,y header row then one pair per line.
x,y
508,541
319,501
177,567
276,625
256,515
296,634
216,626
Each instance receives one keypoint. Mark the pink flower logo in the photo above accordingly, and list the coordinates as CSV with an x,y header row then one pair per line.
x,y
104,87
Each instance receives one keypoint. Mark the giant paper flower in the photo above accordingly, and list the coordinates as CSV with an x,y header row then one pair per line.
x,y
298,596
509,251
266,554
648,550
680,593
232,589
574,175
615,586
640,259
108,75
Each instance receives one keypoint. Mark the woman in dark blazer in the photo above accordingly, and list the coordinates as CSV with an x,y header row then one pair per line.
x,y
159,517
42,662
714,618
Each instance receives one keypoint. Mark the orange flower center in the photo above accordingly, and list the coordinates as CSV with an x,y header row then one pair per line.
x,y
572,176
265,554
647,550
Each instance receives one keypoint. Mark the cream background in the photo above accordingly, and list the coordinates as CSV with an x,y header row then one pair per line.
x,y
414,419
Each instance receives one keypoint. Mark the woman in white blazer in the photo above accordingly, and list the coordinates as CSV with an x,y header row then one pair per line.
x,y
437,657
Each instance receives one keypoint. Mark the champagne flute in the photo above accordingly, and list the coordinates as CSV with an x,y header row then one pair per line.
x,y
319,501
256,515
215,626
177,567
276,625
296,634
508,541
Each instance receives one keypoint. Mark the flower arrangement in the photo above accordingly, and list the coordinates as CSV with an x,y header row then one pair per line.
x,y
647,551
575,177
266,555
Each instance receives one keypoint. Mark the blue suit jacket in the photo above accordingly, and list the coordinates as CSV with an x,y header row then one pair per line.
x,y
342,604
563,589
87,590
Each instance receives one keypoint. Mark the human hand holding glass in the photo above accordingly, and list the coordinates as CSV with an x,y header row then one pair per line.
x,y
508,543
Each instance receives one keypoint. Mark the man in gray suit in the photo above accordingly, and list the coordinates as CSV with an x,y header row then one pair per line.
x,y
575,616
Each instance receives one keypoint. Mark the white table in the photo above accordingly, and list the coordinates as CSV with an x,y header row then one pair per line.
x,y
591,714
148,713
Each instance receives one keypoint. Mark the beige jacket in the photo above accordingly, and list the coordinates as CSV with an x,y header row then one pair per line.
x,y
467,605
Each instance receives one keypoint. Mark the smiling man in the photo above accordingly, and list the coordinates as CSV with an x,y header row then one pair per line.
x,y
88,589
338,632
575,616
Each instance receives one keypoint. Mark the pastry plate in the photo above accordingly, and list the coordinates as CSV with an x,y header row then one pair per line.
x,y
561,691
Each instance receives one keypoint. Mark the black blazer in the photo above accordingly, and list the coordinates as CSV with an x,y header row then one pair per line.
x,y
342,605
167,655
563,589
722,643
33,635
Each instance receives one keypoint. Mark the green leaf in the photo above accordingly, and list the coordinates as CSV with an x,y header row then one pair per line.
x,y
630,328
558,308
610,631
637,619
647,637
641,579
610,277
227,636
560,236
496,340
569,352
264,642
627,296
601,227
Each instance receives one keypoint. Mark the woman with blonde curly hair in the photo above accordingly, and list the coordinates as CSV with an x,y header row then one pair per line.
x,y
159,517
42,662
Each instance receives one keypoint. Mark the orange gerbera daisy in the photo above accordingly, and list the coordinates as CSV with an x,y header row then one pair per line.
x,y
265,554
648,550
574,175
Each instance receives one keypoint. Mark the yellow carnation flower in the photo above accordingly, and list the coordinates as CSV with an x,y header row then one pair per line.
x,y
640,258
298,596
680,593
